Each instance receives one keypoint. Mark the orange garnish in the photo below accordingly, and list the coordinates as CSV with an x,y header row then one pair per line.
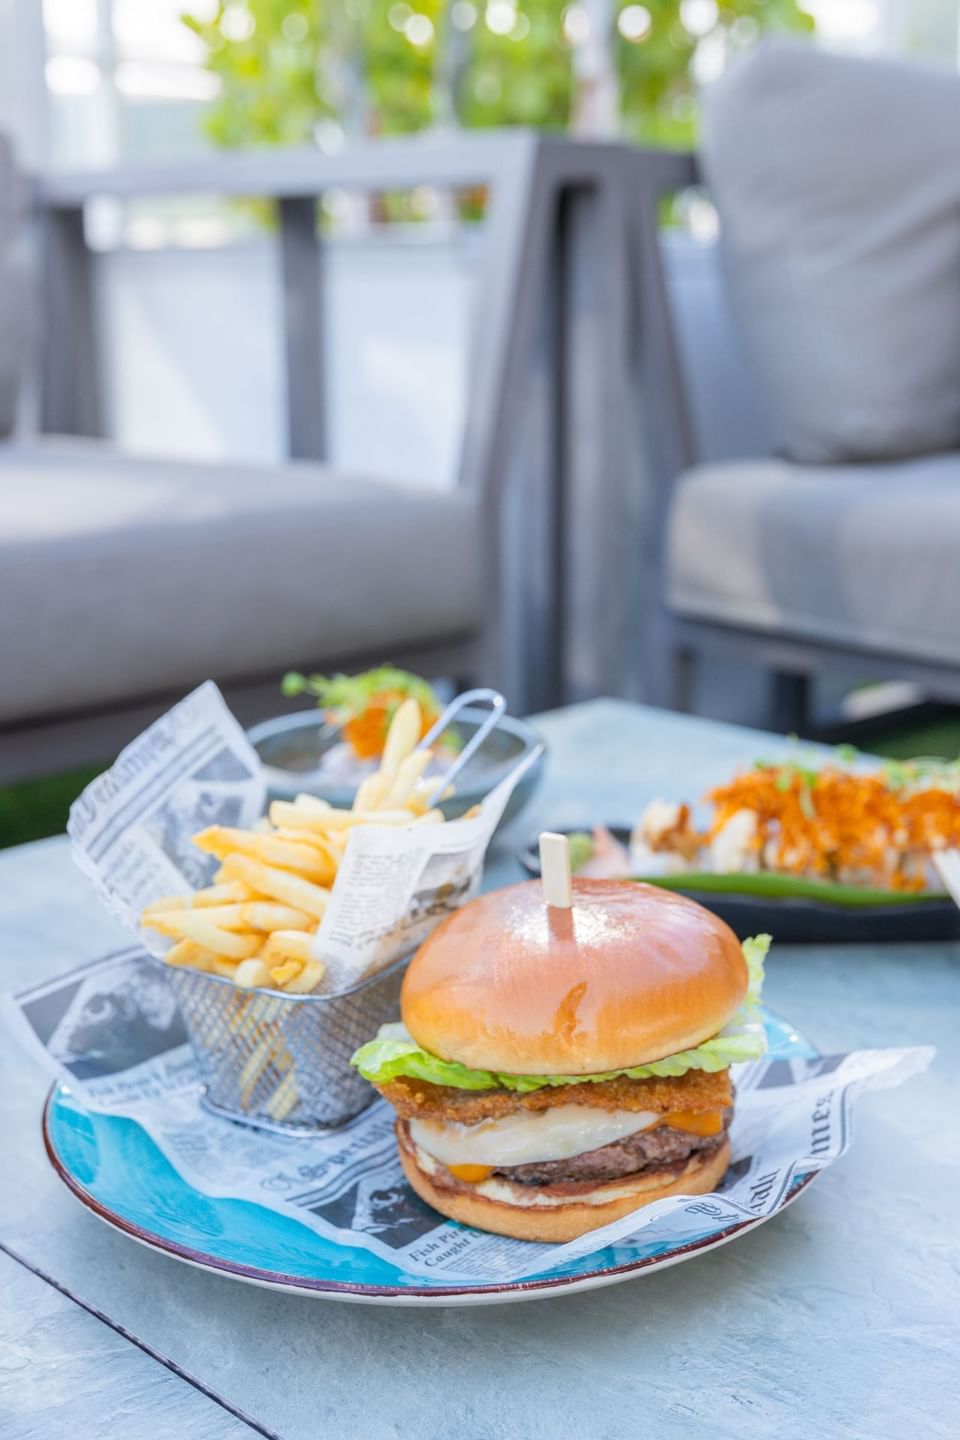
x,y
472,1174
709,1122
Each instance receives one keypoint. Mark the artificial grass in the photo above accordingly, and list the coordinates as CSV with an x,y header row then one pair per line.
x,y
37,808
940,738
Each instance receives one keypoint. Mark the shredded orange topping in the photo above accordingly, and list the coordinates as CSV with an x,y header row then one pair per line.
x,y
837,825
367,731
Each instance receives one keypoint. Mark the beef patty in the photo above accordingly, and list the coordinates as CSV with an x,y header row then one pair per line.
x,y
662,1148
647,1150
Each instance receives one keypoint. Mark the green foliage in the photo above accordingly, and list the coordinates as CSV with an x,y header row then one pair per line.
x,y
522,78
272,90
351,694
391,66
399,74
657,86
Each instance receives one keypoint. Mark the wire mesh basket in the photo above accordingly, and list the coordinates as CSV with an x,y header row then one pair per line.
x,y
282,1062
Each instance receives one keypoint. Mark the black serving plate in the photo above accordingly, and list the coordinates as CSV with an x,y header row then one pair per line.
x,y
800,920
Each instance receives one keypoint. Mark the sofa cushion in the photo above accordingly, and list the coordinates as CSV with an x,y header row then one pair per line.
x,y
838,186
124,577
862,556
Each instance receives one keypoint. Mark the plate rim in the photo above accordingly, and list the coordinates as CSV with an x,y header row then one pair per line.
x,y
508,1291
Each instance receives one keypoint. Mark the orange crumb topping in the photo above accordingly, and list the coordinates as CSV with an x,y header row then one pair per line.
x,y
837,825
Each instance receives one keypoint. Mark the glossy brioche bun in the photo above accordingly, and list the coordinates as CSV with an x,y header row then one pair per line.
x,y
630,974
573,1217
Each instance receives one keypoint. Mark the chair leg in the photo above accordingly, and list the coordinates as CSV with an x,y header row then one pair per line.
x,y
789,702
670,677
668,670
683,679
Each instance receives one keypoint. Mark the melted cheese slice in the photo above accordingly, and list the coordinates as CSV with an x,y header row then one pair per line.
x,y
530,1135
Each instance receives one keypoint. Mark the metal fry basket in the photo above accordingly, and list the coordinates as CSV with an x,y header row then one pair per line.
x,y
282,1062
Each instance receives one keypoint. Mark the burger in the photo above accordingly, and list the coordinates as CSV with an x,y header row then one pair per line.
x,y
558,1068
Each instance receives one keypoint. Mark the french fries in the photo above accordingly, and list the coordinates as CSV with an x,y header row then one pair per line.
x,y
193,925
308,979
283,1099
251,915
401,739
370,792
256,924
289,970
200,899
309,860
291,890
285,945
408,773
293,816
251,974
189,953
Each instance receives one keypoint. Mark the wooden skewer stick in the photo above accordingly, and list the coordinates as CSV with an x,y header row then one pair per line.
x,y
555,870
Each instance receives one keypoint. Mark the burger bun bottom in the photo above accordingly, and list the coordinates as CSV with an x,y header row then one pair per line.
x,y
559,1223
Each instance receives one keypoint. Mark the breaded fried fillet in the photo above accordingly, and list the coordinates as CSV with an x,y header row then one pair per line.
x,y
696,1091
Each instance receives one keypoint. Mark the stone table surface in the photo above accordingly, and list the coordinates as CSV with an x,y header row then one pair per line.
x,y
837,1319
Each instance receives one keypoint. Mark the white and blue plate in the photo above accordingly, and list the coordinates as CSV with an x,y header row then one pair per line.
x,y
113,1168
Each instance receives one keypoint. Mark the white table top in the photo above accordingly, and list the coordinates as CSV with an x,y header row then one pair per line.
x,y
837,1319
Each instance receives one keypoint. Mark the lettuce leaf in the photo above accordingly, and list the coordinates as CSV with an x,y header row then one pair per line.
x,y
394,1053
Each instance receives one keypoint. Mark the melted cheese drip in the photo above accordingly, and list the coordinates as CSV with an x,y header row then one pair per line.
x,y
531,1135
709,1122
471,1174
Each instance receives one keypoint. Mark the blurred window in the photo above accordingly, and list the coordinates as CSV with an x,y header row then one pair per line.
x,y
126,80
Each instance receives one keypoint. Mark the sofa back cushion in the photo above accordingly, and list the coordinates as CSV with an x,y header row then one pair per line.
x,y
838,186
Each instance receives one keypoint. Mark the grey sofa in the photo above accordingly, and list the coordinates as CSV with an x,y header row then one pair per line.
x,y
126,581
804,425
